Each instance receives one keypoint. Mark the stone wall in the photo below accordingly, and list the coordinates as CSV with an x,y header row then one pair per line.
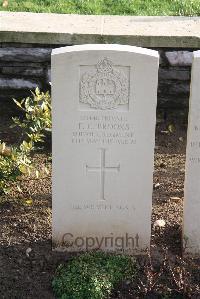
x,y
26,41
174,78
23,67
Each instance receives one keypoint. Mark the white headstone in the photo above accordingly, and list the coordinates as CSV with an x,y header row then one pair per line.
x,y
192,176
104,113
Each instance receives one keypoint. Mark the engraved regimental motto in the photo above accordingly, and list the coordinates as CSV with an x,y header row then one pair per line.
x,y
105,87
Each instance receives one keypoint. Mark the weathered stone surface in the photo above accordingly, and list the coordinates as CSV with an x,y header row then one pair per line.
x,y
162,58
179,58
46,28
179,89
174,74
23,71
7,98
192,175
173,80
19,45
174,88
172,102
48,75
105,118
22,64
17,84
25,54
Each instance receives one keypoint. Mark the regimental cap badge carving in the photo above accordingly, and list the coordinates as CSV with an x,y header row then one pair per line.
x,y
104,66
104,88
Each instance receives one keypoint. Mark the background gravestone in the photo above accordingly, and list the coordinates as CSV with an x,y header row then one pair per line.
x,y
104,113
192,177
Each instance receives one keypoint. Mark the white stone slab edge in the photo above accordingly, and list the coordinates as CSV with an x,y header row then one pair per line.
x,y
115,47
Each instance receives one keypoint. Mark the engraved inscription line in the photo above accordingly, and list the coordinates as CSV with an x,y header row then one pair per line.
x,y
102,169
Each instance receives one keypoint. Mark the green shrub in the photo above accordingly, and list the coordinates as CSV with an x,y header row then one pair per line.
x,y
92,275
37,122
15,160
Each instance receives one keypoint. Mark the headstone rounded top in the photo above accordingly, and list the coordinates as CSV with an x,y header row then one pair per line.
x,y
196,54
106,47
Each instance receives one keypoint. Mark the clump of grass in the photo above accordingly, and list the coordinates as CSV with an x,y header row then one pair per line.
x,y
112,7
92,275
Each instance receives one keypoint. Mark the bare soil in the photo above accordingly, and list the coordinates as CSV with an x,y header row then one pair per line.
x,y
27,263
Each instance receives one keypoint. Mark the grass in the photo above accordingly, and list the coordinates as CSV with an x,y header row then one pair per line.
x,y
93,275
112,7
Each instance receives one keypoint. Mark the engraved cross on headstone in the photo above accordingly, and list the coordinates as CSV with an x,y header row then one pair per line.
x,y
102,169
